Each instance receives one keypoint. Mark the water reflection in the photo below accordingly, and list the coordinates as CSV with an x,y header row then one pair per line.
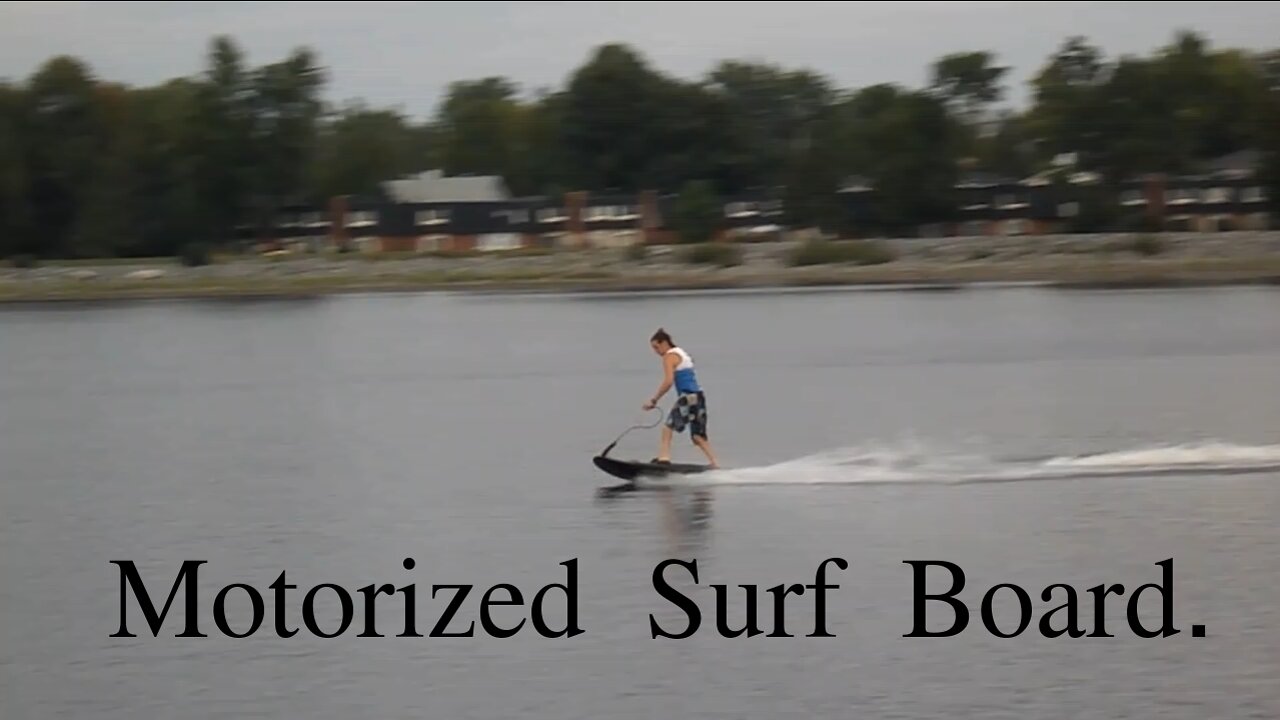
x,y
686,511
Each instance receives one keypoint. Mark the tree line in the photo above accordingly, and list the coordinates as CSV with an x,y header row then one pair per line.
x,y
94,168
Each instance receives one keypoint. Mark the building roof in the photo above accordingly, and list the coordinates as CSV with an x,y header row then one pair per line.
x,y
983,179
1238,163
433,187
855,183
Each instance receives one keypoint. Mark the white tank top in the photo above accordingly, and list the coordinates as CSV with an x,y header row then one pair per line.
x,y
685,380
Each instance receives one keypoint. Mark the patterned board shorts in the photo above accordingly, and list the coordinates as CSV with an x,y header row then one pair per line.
x,y
690,410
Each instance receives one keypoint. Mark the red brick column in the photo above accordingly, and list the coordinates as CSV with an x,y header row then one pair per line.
x,y
574,203
338,221
1153,190
650,219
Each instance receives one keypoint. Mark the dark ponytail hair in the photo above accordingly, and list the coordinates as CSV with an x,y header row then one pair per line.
x,y
662,336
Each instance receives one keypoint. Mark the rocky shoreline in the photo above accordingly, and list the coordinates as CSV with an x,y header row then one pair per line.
x,y
1069,261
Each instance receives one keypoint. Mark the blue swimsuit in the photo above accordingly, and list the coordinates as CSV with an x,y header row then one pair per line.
x,y
690,408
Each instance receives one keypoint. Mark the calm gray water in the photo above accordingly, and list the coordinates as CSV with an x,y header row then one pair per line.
x,y
1029,436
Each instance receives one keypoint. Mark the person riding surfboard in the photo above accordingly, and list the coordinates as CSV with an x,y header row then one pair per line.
x,y
690,408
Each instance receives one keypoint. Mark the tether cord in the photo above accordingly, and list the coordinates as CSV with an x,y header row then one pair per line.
x,y
633,427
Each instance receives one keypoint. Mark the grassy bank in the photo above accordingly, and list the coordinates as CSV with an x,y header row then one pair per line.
x,y
1062,272
274,285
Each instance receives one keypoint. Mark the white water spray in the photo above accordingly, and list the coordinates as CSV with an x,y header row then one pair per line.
x,y
854,465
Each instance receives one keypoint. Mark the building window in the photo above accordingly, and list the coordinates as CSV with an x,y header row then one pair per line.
x,y
611,212
361,218
548,215
740,209
431,217
1183,195
498,241
1253,195
432,243
1132,197
1218,195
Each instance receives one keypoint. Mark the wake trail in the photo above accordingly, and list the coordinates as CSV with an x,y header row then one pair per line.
x,y
876,466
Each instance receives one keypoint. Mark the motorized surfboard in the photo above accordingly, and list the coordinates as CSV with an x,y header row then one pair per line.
x,y
632,469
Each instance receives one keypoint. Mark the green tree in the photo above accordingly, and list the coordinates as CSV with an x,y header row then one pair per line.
x,y
690,136
479,121
697,212
286,110
908,145
108,202
220,144
606,121
1010,151
15,227
969,82
358,148
63,138
539,165
1068,104
91,167
774,115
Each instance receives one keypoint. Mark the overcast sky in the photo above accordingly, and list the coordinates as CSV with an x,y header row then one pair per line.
x,y
404,54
